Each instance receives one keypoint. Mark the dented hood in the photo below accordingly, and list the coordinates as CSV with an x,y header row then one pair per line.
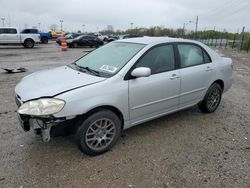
x,y
51,82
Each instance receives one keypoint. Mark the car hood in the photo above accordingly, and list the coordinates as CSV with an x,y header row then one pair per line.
x,y
52,82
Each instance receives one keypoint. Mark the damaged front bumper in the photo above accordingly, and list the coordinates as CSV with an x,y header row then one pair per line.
x,y
40,125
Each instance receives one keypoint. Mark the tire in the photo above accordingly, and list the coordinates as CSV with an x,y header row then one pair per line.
x,y
44,40
75,45
212,99
98,132
96,45
29,43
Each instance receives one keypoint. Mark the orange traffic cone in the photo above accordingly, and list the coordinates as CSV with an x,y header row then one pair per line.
x,y
64,44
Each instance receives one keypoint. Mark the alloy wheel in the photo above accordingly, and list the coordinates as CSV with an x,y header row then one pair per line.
x,y
100,134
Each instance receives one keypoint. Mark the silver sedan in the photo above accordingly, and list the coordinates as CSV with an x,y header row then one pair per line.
x,y
122,84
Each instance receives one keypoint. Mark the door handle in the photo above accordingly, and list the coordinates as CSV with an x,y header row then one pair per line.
x,y
174,77
208,69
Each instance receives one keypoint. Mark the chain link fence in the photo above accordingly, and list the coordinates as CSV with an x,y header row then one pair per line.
x,y
224,40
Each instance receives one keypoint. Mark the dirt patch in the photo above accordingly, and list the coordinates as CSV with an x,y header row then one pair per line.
x,y
184,149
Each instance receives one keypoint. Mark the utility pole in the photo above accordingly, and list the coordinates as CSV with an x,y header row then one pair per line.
x,y
83,28
61,21
196,27
39,26
241,38
183,29
131,25
3,19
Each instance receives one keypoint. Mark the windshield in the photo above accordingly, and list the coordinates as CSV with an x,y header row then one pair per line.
x,y
68,36
110,58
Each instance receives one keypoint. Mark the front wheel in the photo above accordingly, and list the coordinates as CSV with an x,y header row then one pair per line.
x,y
99,132
212,99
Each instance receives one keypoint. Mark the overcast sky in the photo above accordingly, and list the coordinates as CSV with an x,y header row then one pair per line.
x,y
97,14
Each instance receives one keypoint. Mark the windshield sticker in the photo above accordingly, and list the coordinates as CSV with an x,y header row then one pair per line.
x,y
108,68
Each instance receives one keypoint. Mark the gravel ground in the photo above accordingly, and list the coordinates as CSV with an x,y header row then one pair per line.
x,y
184,149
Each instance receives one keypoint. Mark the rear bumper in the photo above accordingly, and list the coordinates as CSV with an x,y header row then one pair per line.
x,y
228,83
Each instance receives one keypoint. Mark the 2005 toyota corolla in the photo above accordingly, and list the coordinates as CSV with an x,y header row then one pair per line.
x,y
120,85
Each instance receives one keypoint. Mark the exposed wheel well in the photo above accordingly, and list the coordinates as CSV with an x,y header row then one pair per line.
x,y
29,39
221,83
111,108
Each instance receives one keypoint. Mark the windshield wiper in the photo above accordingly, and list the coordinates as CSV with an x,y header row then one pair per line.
x,y
85,69
97,73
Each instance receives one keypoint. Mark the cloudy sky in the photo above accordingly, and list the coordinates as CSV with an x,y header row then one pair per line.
x,y
97,14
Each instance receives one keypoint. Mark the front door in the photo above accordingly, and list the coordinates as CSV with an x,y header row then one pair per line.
x,y
157,94
12,36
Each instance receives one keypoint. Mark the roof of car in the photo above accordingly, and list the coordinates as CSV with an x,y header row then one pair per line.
x,y
153,40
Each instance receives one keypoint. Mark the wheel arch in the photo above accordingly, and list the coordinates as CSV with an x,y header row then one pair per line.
x,y
106,107
220,82
29,38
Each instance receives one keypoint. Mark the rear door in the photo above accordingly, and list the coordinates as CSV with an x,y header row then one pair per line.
x,y
196,72
157,94
83,41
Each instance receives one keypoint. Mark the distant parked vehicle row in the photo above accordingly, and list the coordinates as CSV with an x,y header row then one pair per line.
x,y
68,36
56,34
44,36
11,35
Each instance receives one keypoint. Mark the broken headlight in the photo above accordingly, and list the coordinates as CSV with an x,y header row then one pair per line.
x,y
42,107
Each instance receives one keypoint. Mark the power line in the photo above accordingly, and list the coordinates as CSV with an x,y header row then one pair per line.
x,y
220,8
240,5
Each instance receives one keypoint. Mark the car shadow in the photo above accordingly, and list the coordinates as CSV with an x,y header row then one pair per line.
x,y
162,124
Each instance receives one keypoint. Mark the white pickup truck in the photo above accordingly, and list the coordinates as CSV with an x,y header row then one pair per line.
x,y
103,38
11,35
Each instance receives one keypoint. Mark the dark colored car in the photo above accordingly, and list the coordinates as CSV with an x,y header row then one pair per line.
x,y
84,40
113,38
68,36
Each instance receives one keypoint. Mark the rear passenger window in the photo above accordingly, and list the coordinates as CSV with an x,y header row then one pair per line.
x,y
206,58
190,55
12,31
1,31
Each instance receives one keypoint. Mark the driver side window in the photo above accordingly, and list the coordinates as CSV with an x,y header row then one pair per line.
x,y
159,59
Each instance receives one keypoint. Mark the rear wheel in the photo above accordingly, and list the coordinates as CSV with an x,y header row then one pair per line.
x,y
99,132
212,99
29,43
75,45
44,40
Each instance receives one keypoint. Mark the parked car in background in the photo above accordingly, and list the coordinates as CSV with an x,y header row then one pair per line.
x,y
56,34
11,35
68,36
84,40
113,38
44,36
120,85
103,38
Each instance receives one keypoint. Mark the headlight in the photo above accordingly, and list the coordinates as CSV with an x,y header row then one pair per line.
x,y
42,107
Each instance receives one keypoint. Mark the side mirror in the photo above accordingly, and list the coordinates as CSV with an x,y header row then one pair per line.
x,y
141,72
